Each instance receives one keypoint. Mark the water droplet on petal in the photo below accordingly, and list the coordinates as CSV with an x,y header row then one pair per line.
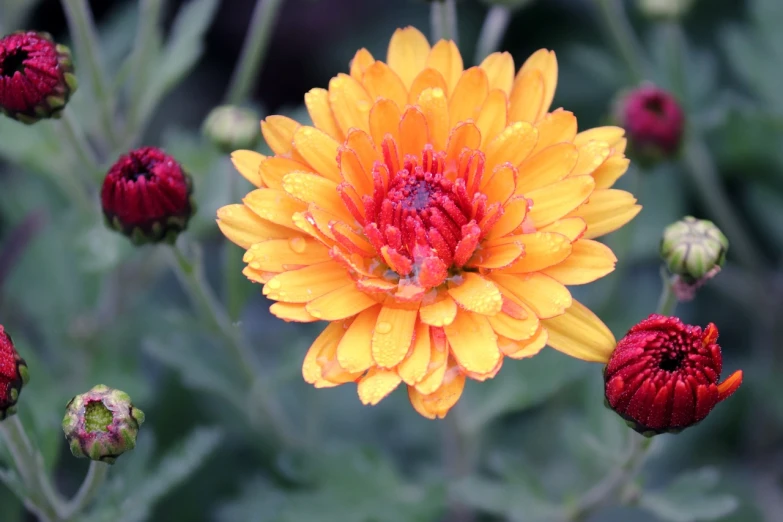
x,y
383,327
274,284
297,244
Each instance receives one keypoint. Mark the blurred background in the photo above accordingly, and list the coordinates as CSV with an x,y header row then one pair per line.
x,y
85,307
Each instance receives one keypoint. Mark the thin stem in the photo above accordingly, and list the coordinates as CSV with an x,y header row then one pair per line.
x,y
143,48
492,31
253,50
75,136
95,478
667,302
459,457
443,16
622,34
84,34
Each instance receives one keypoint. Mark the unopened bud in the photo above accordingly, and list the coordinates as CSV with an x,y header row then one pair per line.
x,y
693,249
13,375
233,128
102,424
654,121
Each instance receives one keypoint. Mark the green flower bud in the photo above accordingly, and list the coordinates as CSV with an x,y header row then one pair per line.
x,y
233,128
693,248
102,424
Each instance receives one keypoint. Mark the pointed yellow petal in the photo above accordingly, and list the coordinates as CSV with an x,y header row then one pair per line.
x,y
408,53
350,103
542,250
376,385
591,156
589,260
317,103
557,127
414,367
278,131
244,228
381,82
465,134
492,117
468,96
473,342
500,184
581,334
546,167
496,256
572,228
526,97
528,347
426,79
544,295
360,63
514,213
311,370
545,62
606,211
436,369
319,150
279,255
272,169
414,133
438,404
611,170
247,162
439,313
385,119
500,71
476,294
393,334
309,187
554,201
513,328
292,312
342,303
361,145
354,352
306,284
446,59
611,135
513,145
435,107
273,205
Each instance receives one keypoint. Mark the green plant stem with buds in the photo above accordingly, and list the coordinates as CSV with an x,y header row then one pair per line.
x,y
443,18
84,34
96,477
84,153
253,50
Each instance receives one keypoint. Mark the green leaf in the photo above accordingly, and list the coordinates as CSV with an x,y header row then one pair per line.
x,y
688,498
510,500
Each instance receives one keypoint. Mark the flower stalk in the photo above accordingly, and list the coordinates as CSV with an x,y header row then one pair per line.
x,y
96,477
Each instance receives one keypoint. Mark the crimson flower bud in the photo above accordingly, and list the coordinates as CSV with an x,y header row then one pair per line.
x,y
654,120
102,424
146,195
13,375
663,375
36,76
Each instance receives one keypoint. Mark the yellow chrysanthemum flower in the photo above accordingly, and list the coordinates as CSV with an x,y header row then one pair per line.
x,y
435,216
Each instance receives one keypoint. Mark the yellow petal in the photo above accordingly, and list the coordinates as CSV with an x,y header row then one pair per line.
x,y
342,303
572,228
557,127
354,352
274,168
311,370
446,59
385,119
495,256
438,404
393,334
317,103
500,184
278,131
581,334
477,294
546,62
381,82
611,135
526,97
513,145
492,117
464,135
514,213
610,171
376,385
513,328
292,312
312,188
245,228
247,163
415,365
591,156
426,79
350,103
606,211
554,201
361,144
542,250
468,96
543,294
279,255
273,205
361,61
546,167
330,367
435,107
414,133
408,52
306,284
529,347
500,71
436,369
473,342
589,260
439,313
319,150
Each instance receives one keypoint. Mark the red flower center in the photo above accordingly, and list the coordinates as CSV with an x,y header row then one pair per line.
x,y
13,63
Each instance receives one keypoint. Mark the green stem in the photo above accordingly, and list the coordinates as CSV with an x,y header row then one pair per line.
x,y
95,478
443,17
667,302
492,31
143,49
253,50
86,155
82,29
622,34
459,447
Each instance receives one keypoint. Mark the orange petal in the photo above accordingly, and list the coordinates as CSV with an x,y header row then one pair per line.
x,y
545,62
493,117
477,294
376,385
526,97
544,295
557,127
440,312
393,334
495,256
306,284
385,120
589,260
546,167
330,367
554,201
435,107
279,255
291,312
363,146
515,329
245,228
317,103
319,150
415,365
362,60
311,188
439,403
464,135
581,334
473,342
528,347
447,60
278,131
468,96
606,211
342,303
247,162
273,205
500,71
354,352
414,134
500,184
381,82
311,370
572,228
350,103
542,250
427,79
513,145
514,213
436,368
408,52
271,170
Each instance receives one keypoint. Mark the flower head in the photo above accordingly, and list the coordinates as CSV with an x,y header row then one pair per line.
x,y
102,424
13,375
654,120
663,375
146,195
434,215
693,248
36,76
230,128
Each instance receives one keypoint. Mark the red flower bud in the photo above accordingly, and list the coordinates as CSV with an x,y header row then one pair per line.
x,y
13,375
654,121
147,196
36,76
663,375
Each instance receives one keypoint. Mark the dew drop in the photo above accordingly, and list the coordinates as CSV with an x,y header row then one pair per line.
x,y
316,313
273,284
383,327
297,244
